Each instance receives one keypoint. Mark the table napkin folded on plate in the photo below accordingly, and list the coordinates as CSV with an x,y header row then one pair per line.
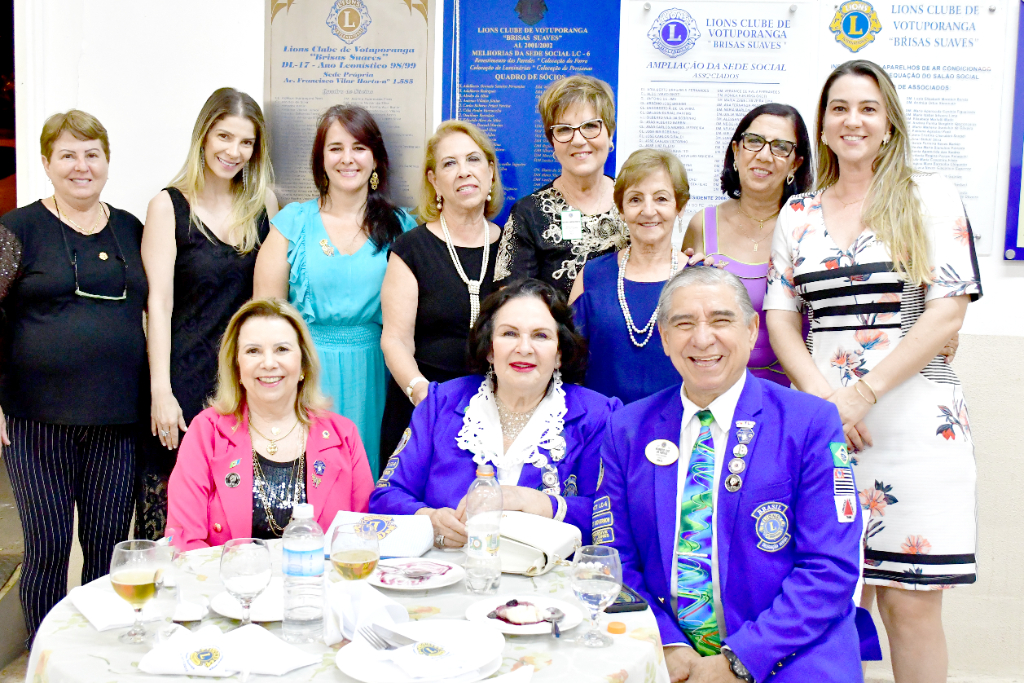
x,y
351,605
445,656
398,535
106,610
208,652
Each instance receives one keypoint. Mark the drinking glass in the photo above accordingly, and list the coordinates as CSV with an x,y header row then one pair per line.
x,y
596,580
354,550
134,566
245,571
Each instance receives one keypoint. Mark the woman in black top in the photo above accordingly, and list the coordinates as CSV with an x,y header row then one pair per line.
x,y
553,232
433,285
73,357
199,248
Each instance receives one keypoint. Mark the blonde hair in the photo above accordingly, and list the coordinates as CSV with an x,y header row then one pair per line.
x,y
641,164
230,398
892,209
566,92
249,187
82,125
427,210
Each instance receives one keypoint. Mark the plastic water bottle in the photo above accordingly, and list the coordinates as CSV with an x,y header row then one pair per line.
x,y
303,567
483,512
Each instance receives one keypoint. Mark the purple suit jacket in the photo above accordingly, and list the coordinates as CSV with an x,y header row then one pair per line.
x,y
788,610
429,470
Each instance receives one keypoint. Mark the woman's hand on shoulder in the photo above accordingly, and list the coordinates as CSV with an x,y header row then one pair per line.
x,y
166,419
697,258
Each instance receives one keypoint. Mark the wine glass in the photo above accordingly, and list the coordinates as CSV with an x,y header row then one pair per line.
x,y
354,550
596,580
133,574
245,571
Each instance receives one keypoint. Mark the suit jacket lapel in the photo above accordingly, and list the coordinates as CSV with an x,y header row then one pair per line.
x,y
748,408
320,457
666,484
237,459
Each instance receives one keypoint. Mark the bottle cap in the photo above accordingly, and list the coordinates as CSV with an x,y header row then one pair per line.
x,y
485,470
616,627
302,511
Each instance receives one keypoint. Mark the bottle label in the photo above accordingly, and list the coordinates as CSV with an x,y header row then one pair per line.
x,y
483,545
302,562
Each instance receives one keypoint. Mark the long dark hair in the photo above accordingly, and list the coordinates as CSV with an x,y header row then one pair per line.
x,y
803,177
381,220
571,344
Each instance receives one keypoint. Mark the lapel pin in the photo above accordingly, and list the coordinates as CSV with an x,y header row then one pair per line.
x,y
232,479
234,463
736,466
745,436
733,483
327,434
550,477
319,467
745,424
316,481
739,450
662,452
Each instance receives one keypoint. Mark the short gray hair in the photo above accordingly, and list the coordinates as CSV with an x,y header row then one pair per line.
x,y
707,276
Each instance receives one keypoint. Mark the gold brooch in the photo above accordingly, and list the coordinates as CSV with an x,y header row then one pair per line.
x,y
326,246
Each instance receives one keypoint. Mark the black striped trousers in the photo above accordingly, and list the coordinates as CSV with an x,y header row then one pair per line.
x,y
53,468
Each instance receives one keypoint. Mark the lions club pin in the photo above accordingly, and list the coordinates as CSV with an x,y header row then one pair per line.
x,y
736,465
662,452
557,447
319,467
739,450
550,477
733,483
744,435
232,479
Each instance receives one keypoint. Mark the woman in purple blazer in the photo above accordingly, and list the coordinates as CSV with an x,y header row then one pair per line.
x,y
541,435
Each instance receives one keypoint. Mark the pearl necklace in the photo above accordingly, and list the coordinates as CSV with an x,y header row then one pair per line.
x,y
631,327
472,285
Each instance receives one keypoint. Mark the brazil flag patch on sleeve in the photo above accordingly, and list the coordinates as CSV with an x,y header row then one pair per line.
x,y
840,456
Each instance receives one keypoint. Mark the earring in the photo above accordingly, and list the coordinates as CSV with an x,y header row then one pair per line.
x,y
302,377
440,202
734,166
490,373
885,140
611,147
556,376
374,180
823,140
790,178
488,195
202,156
245,176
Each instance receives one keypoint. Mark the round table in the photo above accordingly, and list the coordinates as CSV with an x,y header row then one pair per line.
x,y
68,649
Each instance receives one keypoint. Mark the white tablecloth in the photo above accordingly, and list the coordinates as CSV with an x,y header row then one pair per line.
x,y
68,649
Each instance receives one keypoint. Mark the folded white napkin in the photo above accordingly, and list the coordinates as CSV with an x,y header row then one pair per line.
x,y
398,535
106,610
350,605
208,652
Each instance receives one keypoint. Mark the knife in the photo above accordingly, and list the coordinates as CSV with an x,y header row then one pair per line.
x,y
392,637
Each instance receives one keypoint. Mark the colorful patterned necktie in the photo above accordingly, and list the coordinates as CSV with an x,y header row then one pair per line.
x,y
696,605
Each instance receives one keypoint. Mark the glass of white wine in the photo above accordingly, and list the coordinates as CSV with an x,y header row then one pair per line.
x,y
354,550
596,581
134,569
245,571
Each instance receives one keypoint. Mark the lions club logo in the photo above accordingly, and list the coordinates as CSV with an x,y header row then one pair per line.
x,y
771,526
382,525
674,32
206,657
430,650
855,24
349,20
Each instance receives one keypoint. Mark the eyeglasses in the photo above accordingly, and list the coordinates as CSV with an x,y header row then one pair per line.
x,y
74,264
752,142
563,132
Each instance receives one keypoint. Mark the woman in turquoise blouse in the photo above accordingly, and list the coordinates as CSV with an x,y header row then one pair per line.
x,y
327,256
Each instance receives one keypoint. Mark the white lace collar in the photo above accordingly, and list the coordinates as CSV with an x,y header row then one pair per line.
x,y
481,430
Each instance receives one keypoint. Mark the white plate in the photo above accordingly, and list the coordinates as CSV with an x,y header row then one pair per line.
x,y
478,611
443,574
358,660
268,605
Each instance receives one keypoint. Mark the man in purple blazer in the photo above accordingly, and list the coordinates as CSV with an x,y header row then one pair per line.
x,y
732,504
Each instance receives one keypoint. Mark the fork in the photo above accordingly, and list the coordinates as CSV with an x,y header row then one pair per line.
x,y
375,641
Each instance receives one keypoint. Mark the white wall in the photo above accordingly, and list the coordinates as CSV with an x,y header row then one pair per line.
x,y
142,67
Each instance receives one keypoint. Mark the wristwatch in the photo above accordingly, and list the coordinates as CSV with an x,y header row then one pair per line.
x,y
736,666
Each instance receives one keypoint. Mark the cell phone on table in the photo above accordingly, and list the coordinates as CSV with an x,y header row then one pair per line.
x,y
627,601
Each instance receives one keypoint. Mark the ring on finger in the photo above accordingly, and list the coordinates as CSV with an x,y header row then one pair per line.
x,y
439,540
165,432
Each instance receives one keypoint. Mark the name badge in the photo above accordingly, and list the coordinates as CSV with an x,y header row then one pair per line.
x,y
572,225
662,452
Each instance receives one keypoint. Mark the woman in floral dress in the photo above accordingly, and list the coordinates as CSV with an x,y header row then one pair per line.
x,y
883,258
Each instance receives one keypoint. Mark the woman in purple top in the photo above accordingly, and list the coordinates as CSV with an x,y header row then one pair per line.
x,y
767,162
541,435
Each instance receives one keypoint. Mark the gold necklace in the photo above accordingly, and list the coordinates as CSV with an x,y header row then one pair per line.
x,y
272,443
512,423
760,224
296,485
835,193
64,217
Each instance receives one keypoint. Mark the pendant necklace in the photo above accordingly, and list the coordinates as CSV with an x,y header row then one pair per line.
x,y
272,442
760,224
472,285
631,327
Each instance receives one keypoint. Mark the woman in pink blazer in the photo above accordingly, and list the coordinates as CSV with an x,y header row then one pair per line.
x,y
266,441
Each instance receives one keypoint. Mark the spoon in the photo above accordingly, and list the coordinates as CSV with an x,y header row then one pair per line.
x,y
555,615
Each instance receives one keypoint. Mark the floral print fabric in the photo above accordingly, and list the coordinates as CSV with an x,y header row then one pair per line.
x,y
917,483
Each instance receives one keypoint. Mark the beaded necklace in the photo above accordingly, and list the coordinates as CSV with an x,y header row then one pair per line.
x,y
631,327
